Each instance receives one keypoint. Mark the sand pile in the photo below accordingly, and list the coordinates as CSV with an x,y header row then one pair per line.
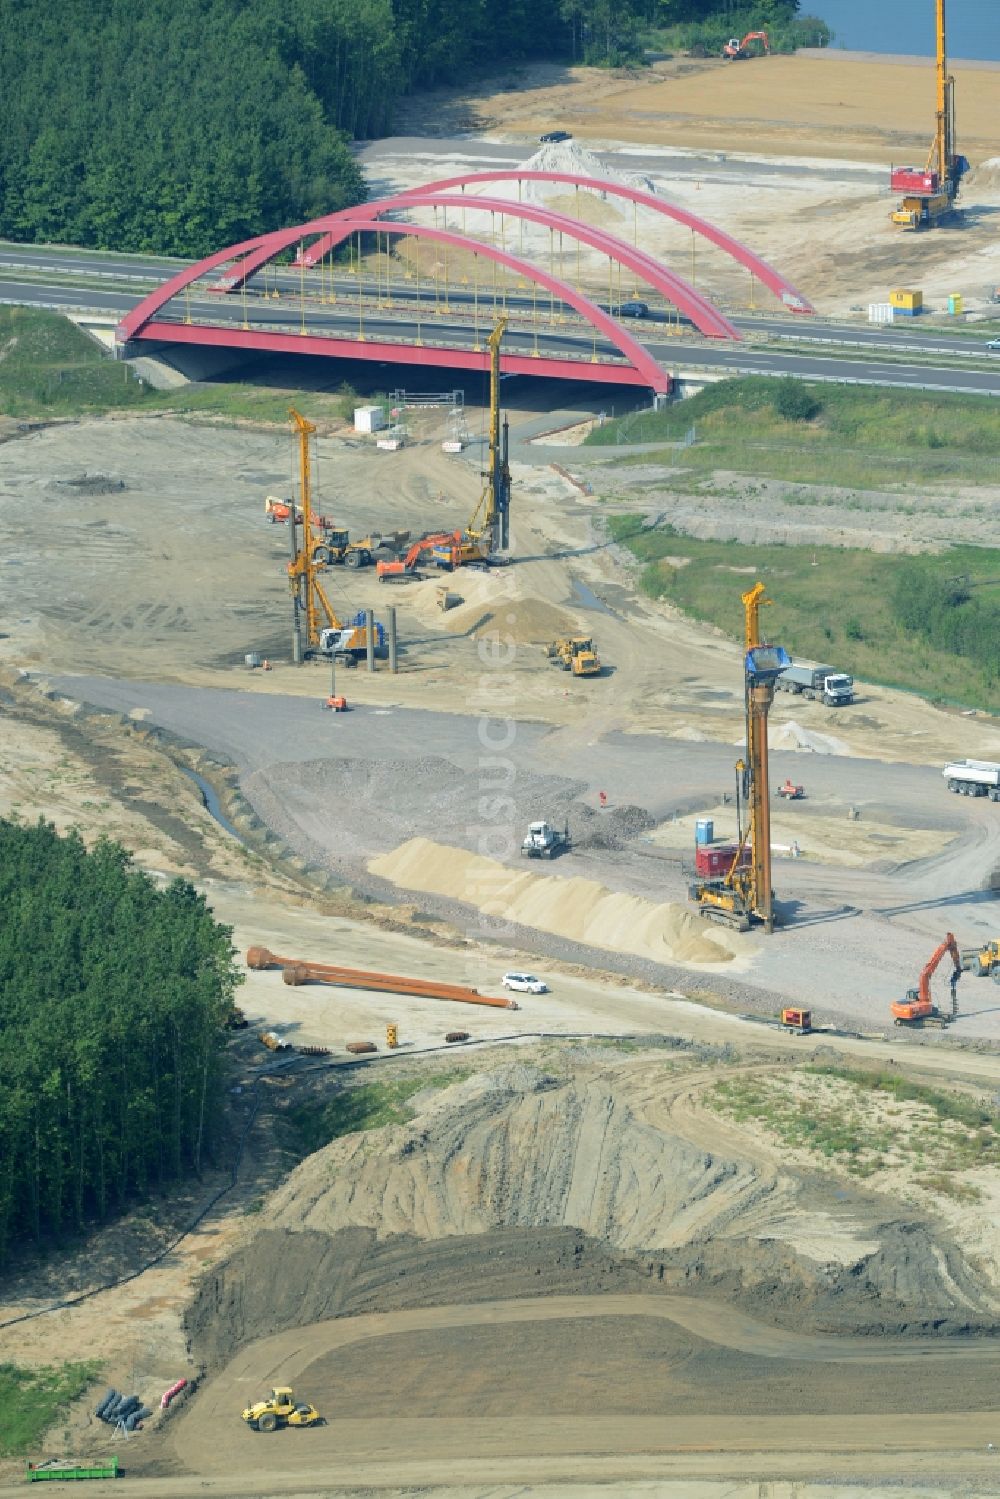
x,y
491,604
792,736
570,156
985,177
578,909
512,1184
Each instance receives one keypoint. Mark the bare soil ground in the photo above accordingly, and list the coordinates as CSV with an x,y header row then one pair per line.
x,y
828,229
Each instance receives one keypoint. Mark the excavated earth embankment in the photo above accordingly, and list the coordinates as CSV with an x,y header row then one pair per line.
x,y
514,1184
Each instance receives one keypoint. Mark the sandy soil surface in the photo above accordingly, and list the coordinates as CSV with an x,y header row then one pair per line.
x,y
538,1181
751,131
824,105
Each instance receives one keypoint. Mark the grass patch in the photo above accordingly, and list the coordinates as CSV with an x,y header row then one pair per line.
x,y
850,436
941,1133
826,1127
50,368
31,1399
311,1125
860,635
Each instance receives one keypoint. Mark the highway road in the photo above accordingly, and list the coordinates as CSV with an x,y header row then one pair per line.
x,y
43,277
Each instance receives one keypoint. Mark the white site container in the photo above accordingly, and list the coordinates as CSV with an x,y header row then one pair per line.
x,y
451,445
881,312
368,418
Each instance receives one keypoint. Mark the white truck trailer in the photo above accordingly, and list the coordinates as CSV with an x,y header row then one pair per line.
x,y
974,778
834,688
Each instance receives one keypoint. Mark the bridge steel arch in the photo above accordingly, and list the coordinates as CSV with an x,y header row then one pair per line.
x,y
786,293
142,317
706,318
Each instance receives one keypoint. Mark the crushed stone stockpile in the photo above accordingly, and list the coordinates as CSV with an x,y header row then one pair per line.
x,y
579,909
511,1183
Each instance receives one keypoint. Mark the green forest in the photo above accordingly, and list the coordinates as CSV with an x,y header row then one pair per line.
x,y
179,126
114,995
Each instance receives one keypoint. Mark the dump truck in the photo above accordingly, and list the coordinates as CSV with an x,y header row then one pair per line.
x,y
575,653
543,841
974,778
822,683
335,547
280,1409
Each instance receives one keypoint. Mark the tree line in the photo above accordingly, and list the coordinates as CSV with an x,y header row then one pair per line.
x,y
180,126
954,612
114,995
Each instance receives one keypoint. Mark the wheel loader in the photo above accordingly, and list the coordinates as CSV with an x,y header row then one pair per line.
x,y
983,961
280,1409
575,653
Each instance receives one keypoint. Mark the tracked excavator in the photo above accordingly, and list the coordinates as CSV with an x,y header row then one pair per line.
x,y
742,897
739,51
918,1008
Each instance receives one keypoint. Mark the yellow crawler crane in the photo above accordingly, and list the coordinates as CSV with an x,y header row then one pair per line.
x,y
743,897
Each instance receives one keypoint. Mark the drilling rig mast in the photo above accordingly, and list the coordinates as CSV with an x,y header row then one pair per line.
x,y
743,897
929,196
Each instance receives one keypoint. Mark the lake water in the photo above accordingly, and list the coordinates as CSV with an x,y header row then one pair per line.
x,y
908,26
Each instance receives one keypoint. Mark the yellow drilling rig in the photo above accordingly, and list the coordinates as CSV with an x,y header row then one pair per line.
x,y
929,195
488,532
310,605
742,897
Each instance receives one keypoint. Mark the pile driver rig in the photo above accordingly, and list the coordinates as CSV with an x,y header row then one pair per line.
x,y
309,601
929,195
743,898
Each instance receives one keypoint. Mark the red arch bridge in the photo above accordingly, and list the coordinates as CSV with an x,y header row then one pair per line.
x,y
336,299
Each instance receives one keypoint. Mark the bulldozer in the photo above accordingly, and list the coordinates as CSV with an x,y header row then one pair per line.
x,y
575,653
280,1409
983,961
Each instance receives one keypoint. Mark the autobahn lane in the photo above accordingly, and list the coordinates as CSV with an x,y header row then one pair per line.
x,y
676,354
63,265
57,261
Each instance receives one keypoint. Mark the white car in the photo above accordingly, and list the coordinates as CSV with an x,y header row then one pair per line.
x,y
525,983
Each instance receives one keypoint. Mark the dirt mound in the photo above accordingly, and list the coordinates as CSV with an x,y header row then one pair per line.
x,y
492,604
985,177
579,909
570,156
511,1183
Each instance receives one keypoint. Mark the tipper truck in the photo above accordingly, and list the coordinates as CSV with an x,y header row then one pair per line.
x,y
834,688
974,778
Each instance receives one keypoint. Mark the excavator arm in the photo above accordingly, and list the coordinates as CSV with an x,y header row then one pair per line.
x,y
949,945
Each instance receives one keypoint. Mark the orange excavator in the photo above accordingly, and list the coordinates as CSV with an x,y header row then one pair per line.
x,y
443,547
738,51
918,1008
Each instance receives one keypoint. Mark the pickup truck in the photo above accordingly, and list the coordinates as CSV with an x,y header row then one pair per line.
x,y
834,688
